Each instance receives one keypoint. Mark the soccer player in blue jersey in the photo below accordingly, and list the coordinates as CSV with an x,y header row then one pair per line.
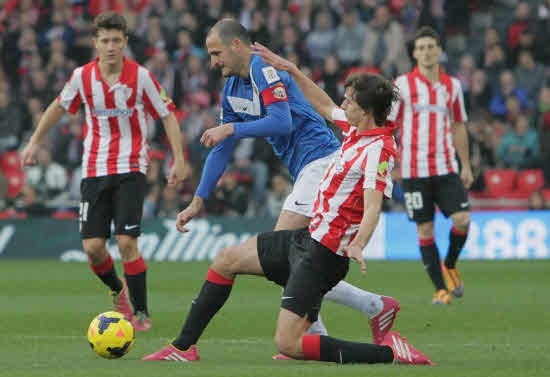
x,y
259,101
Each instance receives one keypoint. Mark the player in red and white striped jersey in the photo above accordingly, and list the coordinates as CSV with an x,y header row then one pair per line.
x,y
120,99
310,262
431,117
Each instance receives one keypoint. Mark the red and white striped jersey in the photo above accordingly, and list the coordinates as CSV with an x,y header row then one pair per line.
x,y
117,116
365,161
425,114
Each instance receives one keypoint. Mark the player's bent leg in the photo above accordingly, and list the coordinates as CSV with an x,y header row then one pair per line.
x,y
230,262
288,335
135,273
239,259
381,310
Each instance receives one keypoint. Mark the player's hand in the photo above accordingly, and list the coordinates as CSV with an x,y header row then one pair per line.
x,y
356,253
28,155
213,136
467,177
271,58
188,213
178,172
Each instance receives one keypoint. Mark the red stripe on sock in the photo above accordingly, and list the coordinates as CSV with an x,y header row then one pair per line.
x,y
103,268
135,267
311,346
213,277
426,241
458,232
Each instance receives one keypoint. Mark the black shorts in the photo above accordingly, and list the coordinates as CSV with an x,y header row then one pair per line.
x,y
118,198
307,269
423,194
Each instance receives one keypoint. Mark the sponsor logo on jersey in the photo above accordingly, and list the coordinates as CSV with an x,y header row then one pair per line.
x,y
270,75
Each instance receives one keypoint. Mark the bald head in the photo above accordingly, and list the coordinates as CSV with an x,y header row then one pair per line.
x,y
229,29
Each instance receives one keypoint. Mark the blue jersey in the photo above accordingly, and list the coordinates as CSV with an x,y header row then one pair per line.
x,y
258,106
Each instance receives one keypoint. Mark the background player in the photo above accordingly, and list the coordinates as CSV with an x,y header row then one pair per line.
x,y
431,116
118,96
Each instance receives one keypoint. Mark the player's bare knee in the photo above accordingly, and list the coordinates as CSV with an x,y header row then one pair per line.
x,y
127,246
461,220
226,261
95,249
425,230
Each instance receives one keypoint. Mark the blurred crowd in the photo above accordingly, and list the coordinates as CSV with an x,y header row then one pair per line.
x,y
498,49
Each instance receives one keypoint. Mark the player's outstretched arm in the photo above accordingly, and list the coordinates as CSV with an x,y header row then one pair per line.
x,y
315,95
50,117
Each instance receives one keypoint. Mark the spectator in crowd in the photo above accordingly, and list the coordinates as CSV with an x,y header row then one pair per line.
x,y
507,88
11,123
529,75
169,202
519,148
276,195
330,78
67,145
230,197
350,35
320,40
542,125
384,44
258,28
479,96
47,178
536,201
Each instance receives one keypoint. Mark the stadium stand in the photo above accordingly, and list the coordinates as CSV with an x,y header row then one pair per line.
x,y
484,41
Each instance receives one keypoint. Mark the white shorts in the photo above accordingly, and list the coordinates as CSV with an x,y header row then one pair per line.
x,y
304,192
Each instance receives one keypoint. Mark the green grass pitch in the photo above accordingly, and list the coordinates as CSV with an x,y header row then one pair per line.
x,y
500,327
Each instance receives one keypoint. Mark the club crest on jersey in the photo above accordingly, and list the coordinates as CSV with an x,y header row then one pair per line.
x,y
279,92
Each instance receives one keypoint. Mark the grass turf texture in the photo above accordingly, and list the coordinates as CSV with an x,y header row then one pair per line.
x,y
500,327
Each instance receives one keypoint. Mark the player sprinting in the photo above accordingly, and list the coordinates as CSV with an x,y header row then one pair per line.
x,y
431,117
309,262
259,101
119,96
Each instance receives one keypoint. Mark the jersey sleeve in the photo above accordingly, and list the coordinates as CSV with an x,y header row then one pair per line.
x,y
458,110
377,166
70,97
269,82
340,120
157,102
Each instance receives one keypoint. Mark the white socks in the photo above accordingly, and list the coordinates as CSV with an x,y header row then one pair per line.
x,y
346,294
349,295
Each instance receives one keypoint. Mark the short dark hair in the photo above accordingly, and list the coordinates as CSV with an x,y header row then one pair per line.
x,y
427,31
110,20
373,93
229,29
